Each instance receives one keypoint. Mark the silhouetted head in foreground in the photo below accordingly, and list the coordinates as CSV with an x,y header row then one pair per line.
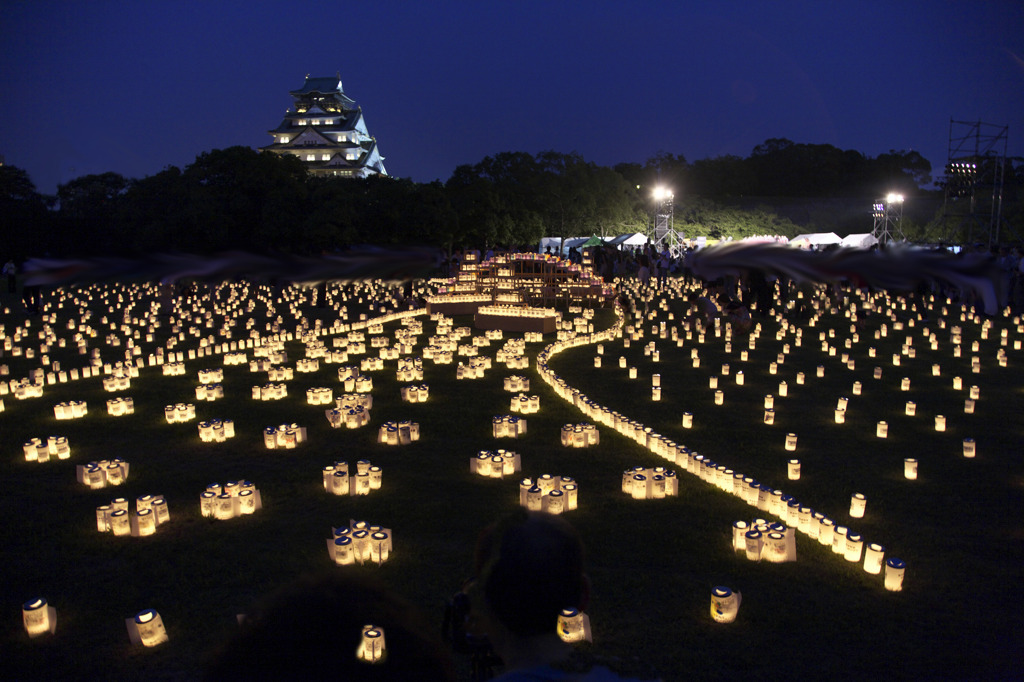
x,y
312,629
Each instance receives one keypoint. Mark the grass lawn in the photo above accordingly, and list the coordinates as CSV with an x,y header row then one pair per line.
x,y
653,563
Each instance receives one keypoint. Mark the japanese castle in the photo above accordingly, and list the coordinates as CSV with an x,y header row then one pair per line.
x,y
326,130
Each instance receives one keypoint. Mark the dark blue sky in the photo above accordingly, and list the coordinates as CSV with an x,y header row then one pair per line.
x,y
133,87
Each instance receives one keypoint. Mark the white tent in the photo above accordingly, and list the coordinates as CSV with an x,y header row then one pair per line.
x,y
862,240
817,239
635,239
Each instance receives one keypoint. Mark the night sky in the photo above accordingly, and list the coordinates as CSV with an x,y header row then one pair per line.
x,y
133,87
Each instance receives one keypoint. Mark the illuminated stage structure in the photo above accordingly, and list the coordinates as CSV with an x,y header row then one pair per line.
x,y
327,132
888,215
975,168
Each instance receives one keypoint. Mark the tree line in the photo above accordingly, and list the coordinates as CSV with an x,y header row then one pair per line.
x,y
238,198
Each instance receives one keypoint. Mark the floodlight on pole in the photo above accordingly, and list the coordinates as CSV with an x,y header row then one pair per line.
x,y
888,215
662,233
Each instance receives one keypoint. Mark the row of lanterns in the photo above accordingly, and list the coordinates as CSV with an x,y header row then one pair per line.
x,y
398,433
38,451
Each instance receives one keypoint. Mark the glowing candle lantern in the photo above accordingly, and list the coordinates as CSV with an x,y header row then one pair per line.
x,y
854,547
940,422
877,373
839,540
622,362
968,406
739,532
793,469
905,384
656,393
145,522
858,503
970,447
882,429
783,389
573,626
910,468
894,570
874,555
371,646
597,362
687,420
769,416
534,498
975,393
120,522
840,416
773,368
769,401
38,617
739,378
343,551
791,441
936,370
753,544
147,628
712,382
632,372
826,531
842,403
725,604
820,371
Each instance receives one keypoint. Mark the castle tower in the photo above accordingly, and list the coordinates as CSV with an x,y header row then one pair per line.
x,y
325,129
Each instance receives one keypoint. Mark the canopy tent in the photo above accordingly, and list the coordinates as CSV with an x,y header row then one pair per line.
x,y
817,239
861,240
635,239
593,241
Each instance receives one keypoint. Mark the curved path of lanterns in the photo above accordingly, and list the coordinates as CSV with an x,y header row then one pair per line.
x,y
795,516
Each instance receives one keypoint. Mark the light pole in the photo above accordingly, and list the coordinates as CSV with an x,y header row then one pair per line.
x,y
663,208
888,215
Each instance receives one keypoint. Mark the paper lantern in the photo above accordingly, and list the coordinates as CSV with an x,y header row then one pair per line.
x,y
874,554
719,397
940,422
975,393
791,441
712,382
858,503
753,544
882,430
970,447
856,388
894,570
739,532
769,416
371,646
687,420
148,628
854,547
783,389
840,416
573,626
769,401
958,383
120,522
968,406
739,378
839,539
38,617
725,604
793,469
145,522
905,384
910,468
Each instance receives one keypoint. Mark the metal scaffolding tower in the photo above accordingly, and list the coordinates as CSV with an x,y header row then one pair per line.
x,y
888,215
661,233
975,168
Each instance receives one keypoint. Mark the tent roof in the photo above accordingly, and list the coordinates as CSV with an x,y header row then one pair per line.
x,y
860,240
818,238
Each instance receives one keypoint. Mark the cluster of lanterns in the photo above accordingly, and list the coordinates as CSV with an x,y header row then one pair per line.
x,y
551,494
650,483
524,404
516,383
359,543
284,436
764,541
398,433
495,464
150,512
474,369
103,473
508,426
415,394
337,481
580,435
216,430
209,392
179,413
38,451
231,500
270,391
72,409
